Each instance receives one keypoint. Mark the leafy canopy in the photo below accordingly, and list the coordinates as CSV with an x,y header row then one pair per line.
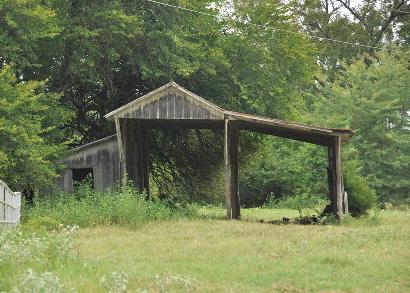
x,y
30,121
371,96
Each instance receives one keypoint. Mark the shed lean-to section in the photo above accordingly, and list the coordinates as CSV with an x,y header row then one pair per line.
x,y
173,107
99,160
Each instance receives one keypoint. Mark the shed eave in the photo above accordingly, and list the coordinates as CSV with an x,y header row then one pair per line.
x,y
346,134
91,144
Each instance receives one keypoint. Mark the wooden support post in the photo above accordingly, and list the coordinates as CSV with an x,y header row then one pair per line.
x,y
231,170
135,150
142,160
121,144
335,180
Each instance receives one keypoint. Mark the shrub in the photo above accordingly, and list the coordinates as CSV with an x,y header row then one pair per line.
x,y
361,197
41,223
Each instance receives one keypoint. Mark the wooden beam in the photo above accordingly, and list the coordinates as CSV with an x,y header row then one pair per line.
x,y
135,149
121,144
335,181
231,170
298,135
143,159
183,124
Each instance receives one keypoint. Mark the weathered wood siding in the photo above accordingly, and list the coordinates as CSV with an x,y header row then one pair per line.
x,y
102,156
231,170
171,104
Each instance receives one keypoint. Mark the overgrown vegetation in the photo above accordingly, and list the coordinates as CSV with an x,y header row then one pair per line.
x,y
86,207
364,255
64,64
28,259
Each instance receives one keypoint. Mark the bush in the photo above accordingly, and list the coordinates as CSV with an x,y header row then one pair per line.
x,y
41,223
85,207
361,198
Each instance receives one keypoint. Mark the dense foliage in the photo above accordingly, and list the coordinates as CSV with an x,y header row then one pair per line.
x,y
100,55
90,57
30,134
372,97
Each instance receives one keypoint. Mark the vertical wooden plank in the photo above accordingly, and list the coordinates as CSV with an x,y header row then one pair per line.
x,y
171,106
121,151
139,112
2,205
179,106
335,168
183,109
145,111
142,158
19,206
13,206
154,109
119,138
163,107
339,192
130,158
7,210
231,170
136,154
191,110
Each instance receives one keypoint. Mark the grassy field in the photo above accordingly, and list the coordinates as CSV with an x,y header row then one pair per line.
x,y
251,214
212,255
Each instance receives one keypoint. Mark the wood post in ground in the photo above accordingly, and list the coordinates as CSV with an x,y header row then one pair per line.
x,y
335,181
231,170
142,160
134,150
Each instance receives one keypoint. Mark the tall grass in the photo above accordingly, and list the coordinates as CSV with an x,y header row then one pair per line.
x,y
28,259
86,207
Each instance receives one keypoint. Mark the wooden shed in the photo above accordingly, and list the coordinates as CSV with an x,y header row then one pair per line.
x,y
173,107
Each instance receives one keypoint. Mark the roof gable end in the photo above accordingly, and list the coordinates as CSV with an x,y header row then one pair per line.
x,y
170,101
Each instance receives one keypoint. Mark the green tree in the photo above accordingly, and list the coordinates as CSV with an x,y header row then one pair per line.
x,y
371,96
30,132
372,23
102,54
236,66
25,26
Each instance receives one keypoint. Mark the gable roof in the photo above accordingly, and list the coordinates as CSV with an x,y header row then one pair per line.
x,y
172,102
169,98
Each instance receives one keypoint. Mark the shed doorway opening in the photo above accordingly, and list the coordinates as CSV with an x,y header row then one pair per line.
x,y
83,175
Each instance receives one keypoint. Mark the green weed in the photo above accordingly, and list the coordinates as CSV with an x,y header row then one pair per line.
x,y
86,207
